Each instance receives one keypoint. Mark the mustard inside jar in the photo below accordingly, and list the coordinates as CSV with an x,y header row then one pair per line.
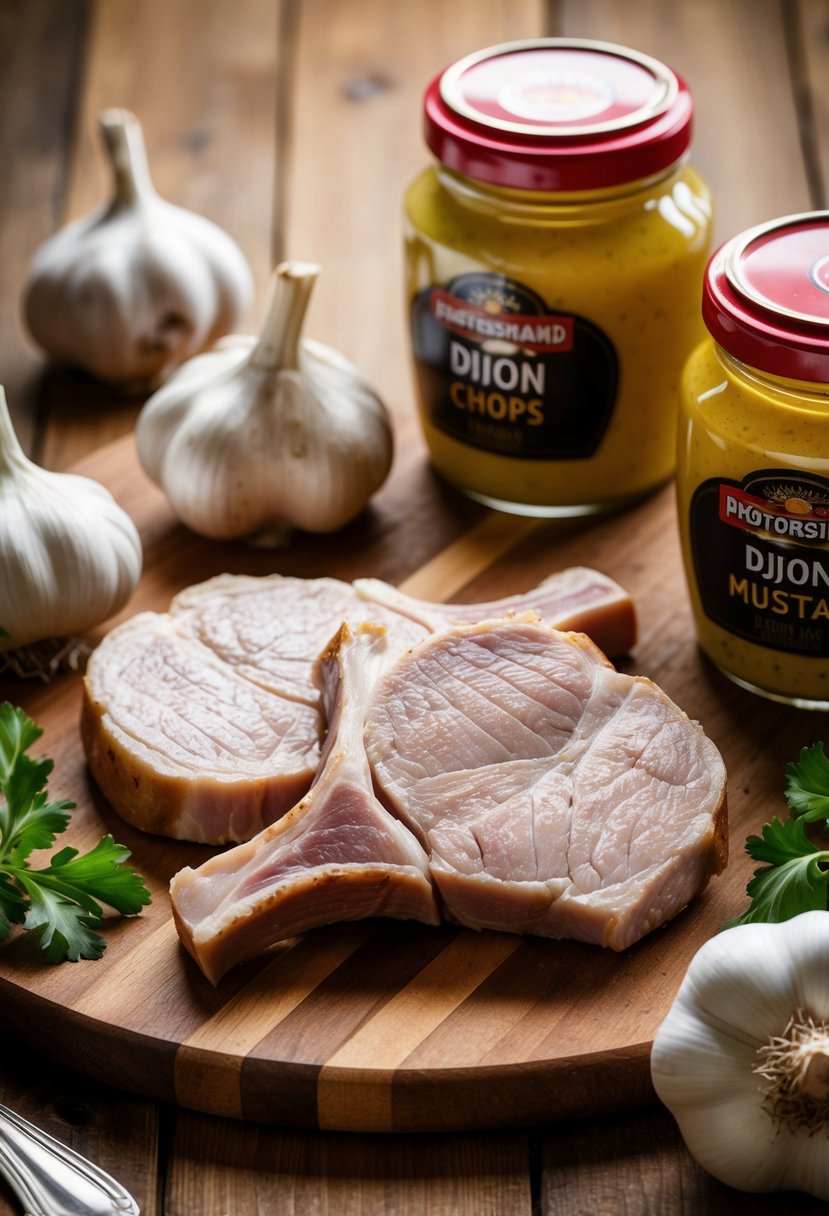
x,y
555,253
753,462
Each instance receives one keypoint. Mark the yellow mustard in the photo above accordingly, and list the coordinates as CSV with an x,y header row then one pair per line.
x,y
554,258
753,462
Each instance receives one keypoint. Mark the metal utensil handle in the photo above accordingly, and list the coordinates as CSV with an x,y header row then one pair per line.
x,y
51,1179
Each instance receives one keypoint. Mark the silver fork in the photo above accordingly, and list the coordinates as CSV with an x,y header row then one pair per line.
x,y
51,1179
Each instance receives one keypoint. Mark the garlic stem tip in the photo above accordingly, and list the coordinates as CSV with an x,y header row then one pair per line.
x,y
116,116
298,270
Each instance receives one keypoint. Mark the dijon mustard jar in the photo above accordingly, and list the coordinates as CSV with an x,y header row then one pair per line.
x,y
753,462
555,251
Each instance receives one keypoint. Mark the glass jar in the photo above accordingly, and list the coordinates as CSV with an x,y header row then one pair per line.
x,y
555,253
753,462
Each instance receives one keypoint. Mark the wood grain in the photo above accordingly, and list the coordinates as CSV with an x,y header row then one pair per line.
x,y
285,1173
734,56
343,208
809,43
385,1025
647,1171
40,53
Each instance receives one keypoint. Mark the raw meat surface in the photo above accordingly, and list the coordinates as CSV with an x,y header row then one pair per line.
x,y
577,599
181,744
550,794
554,794
272,630
205,724
339,855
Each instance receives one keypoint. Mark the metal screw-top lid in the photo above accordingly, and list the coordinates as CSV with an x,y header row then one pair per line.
x,y
558,114
766,297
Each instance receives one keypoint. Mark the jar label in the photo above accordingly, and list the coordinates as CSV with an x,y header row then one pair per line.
x,y
760,549
499,371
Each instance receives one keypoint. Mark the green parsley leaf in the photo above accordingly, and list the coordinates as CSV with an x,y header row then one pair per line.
x,y
12,906
63,927
795,880
60,903
17,734
807,784
100,875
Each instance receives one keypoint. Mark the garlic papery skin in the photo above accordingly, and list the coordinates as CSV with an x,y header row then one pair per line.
x,y
741,1058
70,557
266,435
133,290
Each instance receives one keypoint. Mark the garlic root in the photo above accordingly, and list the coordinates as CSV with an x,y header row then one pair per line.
x,y
795,1067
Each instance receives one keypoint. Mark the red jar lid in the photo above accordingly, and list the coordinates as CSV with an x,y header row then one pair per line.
x,y
765,297
558,114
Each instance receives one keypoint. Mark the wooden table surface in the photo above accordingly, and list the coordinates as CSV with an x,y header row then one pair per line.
x,y
296,125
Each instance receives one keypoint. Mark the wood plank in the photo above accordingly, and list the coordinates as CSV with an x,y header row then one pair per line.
x,y
641,1167
809,44
733,54
201,76
256,1170
41,45
118,1132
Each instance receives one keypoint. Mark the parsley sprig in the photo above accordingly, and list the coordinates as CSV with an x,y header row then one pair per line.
x,y
795,876
60,903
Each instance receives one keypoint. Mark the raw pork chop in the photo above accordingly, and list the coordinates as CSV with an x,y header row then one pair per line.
x,y
337,856
205,723
577,599
553,796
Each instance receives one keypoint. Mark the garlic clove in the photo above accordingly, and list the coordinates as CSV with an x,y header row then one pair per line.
x,y
70,557
133,290
265,435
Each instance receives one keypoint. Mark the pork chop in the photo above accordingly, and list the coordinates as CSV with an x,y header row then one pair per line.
x,y
552,794
205,724
339,855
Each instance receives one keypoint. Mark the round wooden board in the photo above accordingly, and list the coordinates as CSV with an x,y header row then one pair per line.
x,y
386,1025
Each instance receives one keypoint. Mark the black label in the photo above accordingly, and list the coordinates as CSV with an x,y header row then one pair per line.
x,y
760,549
499,371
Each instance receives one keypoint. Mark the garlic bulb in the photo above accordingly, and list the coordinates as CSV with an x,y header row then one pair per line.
x,y
131,291
742,1058
265,435
69,555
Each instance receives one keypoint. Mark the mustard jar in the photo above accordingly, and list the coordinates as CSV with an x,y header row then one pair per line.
x,y
753,462
555,252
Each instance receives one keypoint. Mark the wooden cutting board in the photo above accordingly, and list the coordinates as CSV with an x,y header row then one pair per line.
x,y
385,1025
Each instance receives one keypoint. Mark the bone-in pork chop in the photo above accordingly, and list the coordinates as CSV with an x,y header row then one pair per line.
x,y
552,794
205,724
339,855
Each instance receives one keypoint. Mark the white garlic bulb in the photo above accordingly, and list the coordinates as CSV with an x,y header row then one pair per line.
x,y
265,435
742,1057
131,291
70,557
